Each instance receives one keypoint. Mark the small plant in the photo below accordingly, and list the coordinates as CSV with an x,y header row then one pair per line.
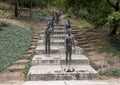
x,y
114,19
114,72
28,65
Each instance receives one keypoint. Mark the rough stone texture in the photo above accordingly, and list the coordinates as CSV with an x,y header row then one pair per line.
x,y
85,82
55,72
58,36
58,59
57,49
56,32
55,42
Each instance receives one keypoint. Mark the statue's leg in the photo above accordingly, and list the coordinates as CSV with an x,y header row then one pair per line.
x,y
66,52
49,45
46,45
70,53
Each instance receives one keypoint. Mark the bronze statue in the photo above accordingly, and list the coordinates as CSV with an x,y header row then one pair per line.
x,y
57,18
69,42
48,31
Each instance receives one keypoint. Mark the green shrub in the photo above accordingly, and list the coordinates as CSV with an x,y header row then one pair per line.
x,y
39,14
114,72
14,41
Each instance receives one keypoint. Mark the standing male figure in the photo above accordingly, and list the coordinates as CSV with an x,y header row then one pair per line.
x,y
48,31
57,18
69,42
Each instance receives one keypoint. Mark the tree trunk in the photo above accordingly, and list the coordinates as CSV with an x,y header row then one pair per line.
x,y
113,32
30,8
117,6
16,9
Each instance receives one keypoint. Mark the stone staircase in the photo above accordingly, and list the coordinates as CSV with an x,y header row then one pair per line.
x,y
49,69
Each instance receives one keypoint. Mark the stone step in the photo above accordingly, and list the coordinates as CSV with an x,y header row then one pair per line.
x,y
80,39
56,32
7,76
82,42
34,40
26,56
57,49
29,51
56,36
54,42
56,72
21,61
12,82
56,59
73,82
16,67
33,43
35,37
32,47
89,49
35,34
86,46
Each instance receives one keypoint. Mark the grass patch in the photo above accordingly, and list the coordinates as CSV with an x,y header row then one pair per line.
x,y
4,10
28,65
40,14
91,62
14,41
114,46
114,72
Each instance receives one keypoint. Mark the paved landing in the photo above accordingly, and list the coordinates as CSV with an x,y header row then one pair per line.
x,y
58,49
85,82
58,59
56,72
55,42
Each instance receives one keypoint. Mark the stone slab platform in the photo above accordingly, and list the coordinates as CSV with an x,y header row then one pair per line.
x,y
55,36
73,82
55,42
59,59
56,72
57,49
55,32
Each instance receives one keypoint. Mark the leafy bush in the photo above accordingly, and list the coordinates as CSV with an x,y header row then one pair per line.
x,y
39,14
114,72
14,41
114,19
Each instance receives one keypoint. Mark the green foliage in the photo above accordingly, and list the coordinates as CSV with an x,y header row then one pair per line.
x,y
113,46
28,65
114,19
114,72
91,62
14,41
40,14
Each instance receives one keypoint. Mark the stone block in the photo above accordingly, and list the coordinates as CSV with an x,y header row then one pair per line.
x,y
56,72
57,59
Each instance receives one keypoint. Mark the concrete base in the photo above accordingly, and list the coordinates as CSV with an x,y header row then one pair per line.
x,y
55,42
74,82
57,37
55,32
55,72
58,49
58,59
